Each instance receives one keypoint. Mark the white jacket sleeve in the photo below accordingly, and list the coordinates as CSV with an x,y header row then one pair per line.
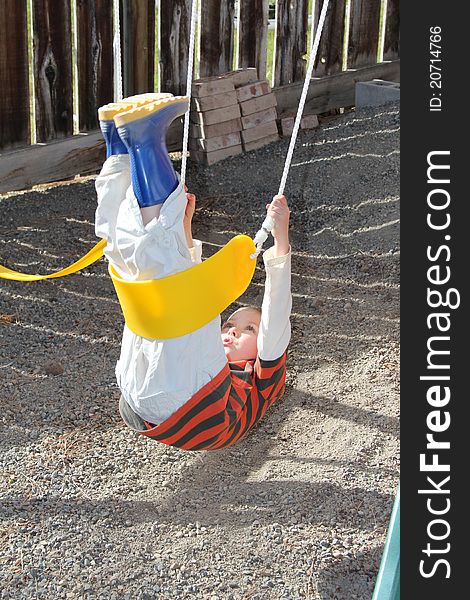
x,y
275,330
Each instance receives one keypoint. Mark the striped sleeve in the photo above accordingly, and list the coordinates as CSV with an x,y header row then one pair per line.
x,y
267,385
270,378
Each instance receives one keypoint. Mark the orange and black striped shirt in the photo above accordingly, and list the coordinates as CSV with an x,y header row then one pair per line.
x,y
223,411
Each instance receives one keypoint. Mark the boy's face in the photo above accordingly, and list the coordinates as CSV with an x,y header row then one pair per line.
x,y
240,333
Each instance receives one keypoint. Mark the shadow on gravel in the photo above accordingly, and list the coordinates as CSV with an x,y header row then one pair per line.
x,y
352,414
319,503
347,577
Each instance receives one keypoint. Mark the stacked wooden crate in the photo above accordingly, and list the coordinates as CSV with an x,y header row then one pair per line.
x,y
231,113
215,120
258,115
286,123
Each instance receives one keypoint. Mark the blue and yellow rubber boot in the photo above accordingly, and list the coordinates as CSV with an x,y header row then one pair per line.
x,y
106,114
143,131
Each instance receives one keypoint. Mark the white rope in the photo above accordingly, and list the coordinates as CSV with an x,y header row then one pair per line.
x,y
268,223
189,80
117,53
303,97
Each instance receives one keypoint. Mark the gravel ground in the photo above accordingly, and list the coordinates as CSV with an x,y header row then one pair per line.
x,y
300,508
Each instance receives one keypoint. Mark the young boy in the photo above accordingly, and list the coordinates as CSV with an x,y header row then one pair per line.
x,y
206,389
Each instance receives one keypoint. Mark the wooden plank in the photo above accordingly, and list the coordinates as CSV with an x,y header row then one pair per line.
x,y
216,37
138,30
333,91
330,51
80,154
392,31
253,32
291,42
53,69
174,42
363,33
14,98
56,161
95,60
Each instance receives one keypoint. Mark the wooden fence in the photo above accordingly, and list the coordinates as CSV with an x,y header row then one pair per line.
x,y
56,58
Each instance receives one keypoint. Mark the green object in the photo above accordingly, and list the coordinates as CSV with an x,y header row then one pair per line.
x,y
387,586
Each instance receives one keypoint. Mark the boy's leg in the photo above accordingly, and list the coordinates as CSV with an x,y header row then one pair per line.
x,y
106,114
143,131
114,179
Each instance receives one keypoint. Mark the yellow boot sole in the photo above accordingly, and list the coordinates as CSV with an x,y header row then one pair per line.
x,y
140,99
140,112
109,111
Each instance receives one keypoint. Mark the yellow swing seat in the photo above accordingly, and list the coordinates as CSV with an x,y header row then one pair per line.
x,y
178,304
181,303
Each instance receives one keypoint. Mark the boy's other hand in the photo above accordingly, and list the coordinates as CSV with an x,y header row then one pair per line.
x,y
279,211
188,217
190,208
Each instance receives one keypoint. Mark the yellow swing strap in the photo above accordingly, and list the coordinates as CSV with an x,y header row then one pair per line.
x,y
95,253
181,303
